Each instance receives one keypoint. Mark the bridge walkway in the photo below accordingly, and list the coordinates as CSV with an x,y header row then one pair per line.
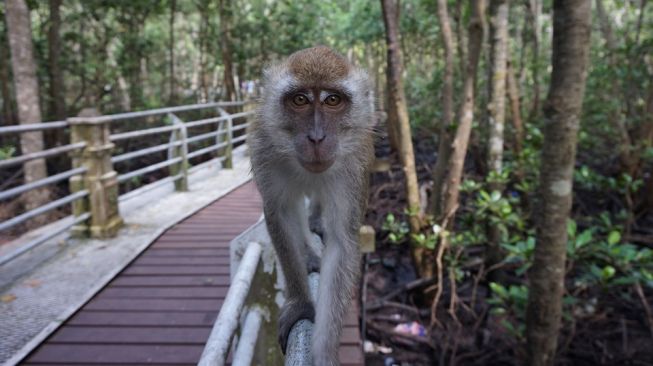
x,y
160,309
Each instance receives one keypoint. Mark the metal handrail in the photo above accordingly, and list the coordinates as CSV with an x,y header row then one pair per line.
x,y
217,346
32,127
147,169
154,112
141,152
41,154
206,150
41,182
141,133
206,121
205,136
43,238
42,209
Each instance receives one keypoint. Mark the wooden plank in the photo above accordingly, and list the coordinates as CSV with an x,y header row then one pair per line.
x,y
187,252
201,281
176,270
190,244
131,335
212,292
118,354
205,260
111,318
350,336
154,304
350,355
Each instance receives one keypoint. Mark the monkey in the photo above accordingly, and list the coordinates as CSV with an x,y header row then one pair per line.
x,y
313,137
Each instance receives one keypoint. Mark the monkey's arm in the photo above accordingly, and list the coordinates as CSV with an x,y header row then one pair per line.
x,y
339,274
286,228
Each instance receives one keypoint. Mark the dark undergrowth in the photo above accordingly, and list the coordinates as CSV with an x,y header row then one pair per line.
x,y
606,319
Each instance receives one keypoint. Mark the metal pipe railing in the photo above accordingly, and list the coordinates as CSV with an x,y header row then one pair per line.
x,y
154,112
248,337
205,150
142,152
147,169
28,127
205,136
298,351
42,209
140,133
41,182
217,346
41,154
42,239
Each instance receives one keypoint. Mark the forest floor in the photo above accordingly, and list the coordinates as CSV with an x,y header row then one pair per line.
x,y
613,332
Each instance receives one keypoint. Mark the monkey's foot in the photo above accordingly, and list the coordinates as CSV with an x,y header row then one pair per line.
x,y
312,262
291,313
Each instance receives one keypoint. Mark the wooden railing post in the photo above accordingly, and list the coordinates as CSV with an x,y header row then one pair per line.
x,y
100,178
228,162
181,168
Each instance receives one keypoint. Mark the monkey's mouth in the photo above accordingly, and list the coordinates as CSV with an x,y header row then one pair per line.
x,y
317,166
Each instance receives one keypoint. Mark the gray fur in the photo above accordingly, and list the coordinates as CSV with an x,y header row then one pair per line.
x,y
338,195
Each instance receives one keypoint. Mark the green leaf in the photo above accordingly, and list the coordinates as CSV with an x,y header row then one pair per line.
x,y
584,238
571,228
607,272
614,237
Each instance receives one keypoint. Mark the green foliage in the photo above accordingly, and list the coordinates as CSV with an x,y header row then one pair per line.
x,y
7,152
397,230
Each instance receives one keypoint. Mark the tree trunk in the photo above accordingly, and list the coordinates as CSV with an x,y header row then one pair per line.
x,y
515,109
570,51
225,47
57,88
535,7
5,88
172,99
27,98
627,159
451,188
496,113
398,102
444,143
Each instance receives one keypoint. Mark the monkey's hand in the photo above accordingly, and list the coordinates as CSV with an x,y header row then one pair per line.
x,y
291,313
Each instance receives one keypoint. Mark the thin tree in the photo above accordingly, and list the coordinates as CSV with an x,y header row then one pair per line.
x,y
225,47
172,99
397,98
444,143
27,97
571,39
456,162
57,89
5,81
392,120
496,113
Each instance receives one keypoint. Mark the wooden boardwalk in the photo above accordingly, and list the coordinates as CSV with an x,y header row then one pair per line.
x,y
160,309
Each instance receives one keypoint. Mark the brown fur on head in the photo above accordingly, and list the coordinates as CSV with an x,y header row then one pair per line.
x,y
318,65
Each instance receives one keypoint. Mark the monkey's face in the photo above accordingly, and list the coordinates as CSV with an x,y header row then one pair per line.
x,y
316,115
317,109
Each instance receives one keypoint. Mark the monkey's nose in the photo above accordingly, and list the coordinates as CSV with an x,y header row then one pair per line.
x,y
316,137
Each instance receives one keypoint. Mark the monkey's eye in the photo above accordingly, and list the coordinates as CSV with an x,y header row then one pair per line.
x,y
332,100
300,99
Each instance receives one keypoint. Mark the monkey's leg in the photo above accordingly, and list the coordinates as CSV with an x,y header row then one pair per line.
x,y
286,227
339,273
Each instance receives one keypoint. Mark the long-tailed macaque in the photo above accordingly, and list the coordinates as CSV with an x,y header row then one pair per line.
x,y
313,137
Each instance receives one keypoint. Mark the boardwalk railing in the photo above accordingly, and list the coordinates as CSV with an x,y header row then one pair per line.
x,y
93,180
247,323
